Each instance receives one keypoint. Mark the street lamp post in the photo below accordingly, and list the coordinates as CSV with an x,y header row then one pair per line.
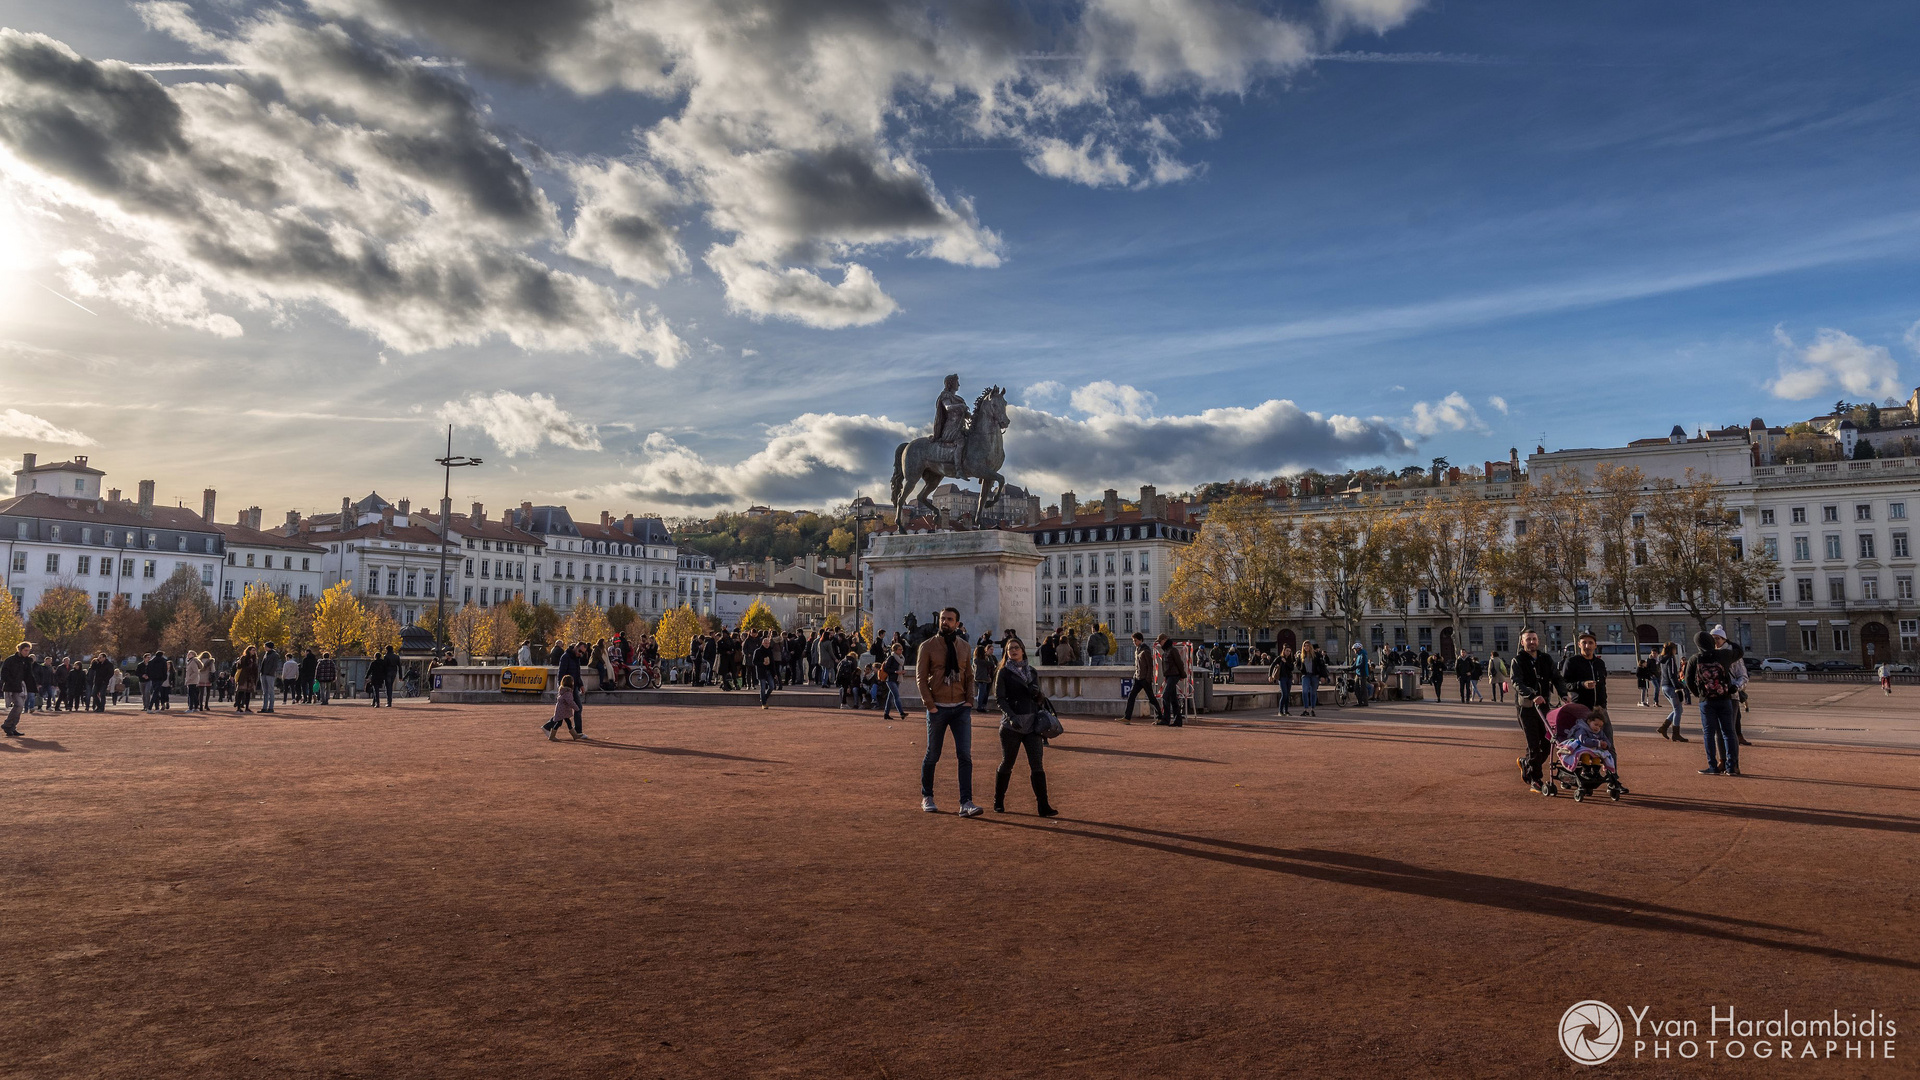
x,y
447,465
862,511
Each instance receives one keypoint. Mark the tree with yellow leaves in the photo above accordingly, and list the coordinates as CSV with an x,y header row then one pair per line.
x,y
260,618
338,619
586,622
381,631
12,630
470,631
759,617
677,630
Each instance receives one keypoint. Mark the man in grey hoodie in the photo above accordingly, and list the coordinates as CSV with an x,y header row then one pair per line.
x,y
270,665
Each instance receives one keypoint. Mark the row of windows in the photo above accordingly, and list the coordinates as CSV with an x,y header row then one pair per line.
x,y
266,561
1109,534
57,534
1122,623
1803,590
1090,564
1081,593
1834,546
85,565
1896,511
604,572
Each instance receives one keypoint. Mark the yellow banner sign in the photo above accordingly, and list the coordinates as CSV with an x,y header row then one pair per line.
x,y
531,680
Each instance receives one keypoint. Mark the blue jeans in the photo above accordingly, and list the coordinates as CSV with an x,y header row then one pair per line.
x,y
1309,692
266,691
958,719
1286,691
1673,698
891,704
1716,725
766,687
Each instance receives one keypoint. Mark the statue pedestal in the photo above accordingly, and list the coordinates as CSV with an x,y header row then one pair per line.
x,y
988,574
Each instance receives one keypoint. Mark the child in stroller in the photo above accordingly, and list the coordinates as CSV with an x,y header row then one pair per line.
x,y
1582,756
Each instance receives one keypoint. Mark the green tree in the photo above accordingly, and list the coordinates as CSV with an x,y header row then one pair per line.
x,y
60,620
621,618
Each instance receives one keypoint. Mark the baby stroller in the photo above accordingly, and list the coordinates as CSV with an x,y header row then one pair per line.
x,y
1582,756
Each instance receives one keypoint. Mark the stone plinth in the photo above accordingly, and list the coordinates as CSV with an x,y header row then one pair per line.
x,y
987,574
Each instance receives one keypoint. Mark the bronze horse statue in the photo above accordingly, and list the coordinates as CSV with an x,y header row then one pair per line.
x,y
981,454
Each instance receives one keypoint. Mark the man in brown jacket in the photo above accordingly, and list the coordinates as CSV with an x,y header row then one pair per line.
x,y
1142,677
944,672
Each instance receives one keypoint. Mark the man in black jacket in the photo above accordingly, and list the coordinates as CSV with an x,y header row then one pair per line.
x,y
102,673
1534,678
16,672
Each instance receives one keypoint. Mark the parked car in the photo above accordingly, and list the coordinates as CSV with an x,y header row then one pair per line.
x,y
1835,665
1776,663
1900,669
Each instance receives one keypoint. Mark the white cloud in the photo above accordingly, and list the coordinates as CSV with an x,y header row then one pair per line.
x,y
1834,359
325,164
1450,413
1499,403
815,459
1104,398
823,458
1912,337
332,171
15,424
1044,391
519,424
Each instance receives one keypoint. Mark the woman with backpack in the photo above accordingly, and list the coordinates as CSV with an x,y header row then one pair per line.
x,y
1022,723
1710,677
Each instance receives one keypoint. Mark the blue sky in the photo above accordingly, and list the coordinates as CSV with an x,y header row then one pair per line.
x,y
1611,217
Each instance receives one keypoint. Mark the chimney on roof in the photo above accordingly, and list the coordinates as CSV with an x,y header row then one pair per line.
x,y
146,498
1147,496
1110,505
479,513
253,518
27,462
293,523
80,460
113,496
526,515
405,505
346,514
606,518
206,505
386,519
626,523
1068,504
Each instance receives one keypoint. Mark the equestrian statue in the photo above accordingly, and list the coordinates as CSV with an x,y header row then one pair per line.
x,y
964,444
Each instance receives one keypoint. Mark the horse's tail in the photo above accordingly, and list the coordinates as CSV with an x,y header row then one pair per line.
x,y
899,472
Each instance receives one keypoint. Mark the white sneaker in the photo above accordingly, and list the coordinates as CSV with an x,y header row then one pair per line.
x,y
926,804
967,809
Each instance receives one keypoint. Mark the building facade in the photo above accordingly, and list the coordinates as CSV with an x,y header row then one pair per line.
x,y
796,606
1116,563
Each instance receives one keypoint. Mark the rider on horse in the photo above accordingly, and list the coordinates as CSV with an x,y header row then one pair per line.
x,y
950,421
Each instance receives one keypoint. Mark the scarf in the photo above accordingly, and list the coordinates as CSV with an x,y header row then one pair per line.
x,y
953,654
1021,671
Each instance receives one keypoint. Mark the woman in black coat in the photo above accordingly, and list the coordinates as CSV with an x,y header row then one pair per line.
x,y
1018,690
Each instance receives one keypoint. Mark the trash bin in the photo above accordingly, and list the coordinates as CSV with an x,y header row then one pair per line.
x,y
1409,685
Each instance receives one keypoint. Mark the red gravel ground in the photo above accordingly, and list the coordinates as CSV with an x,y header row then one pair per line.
x,y
437,891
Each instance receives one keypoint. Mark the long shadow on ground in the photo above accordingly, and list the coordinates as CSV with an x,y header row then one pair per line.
x,y
1482,890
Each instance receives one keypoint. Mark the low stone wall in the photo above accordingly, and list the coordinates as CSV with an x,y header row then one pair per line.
x,y
481,686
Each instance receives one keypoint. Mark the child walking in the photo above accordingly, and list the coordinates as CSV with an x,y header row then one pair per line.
x,y
566,710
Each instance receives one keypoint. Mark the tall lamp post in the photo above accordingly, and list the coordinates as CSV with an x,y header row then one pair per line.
x,y
447,465
862,510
